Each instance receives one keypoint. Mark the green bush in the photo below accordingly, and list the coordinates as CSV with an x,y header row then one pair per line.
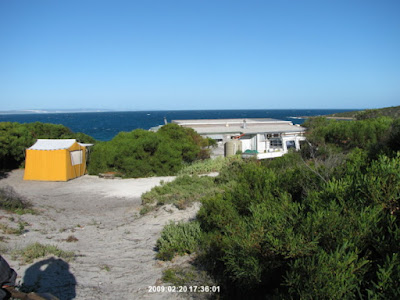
x,y
284,230
387,279
178,238
16,137
349,134
321,224
327,275
142,153
394,136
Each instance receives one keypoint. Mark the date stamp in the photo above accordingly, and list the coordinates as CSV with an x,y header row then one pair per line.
x,y
184,289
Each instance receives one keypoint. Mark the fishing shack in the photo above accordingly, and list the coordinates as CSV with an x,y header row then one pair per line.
x,y
258,137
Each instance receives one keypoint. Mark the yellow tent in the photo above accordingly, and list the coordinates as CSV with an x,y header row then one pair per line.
x,y
55,160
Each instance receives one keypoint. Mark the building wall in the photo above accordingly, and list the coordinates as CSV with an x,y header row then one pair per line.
x,y
259,142
262,144
246,143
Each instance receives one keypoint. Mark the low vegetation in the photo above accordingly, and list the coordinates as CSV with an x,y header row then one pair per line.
x,y
188,187
37,250
181,192
190,280
6,229
178,276
208,165
178,239
11,201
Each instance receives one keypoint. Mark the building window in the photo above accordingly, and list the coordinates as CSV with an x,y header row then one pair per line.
x,y
275,143
290,145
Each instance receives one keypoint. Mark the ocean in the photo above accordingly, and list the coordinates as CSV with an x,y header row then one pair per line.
x,y
104,126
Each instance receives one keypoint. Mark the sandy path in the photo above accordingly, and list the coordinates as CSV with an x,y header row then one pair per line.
x,y
115,247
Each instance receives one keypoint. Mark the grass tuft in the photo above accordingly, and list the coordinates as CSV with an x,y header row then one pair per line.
x,y
37,250
208,165
17,231
178,276
189,276
181,192
10,200
178,238
146,209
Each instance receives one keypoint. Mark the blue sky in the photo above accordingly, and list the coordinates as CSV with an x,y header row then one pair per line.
x,y
192,54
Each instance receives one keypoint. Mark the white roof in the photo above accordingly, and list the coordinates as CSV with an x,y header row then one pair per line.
x,y
238,121
85,145
278,128
42,144
240,126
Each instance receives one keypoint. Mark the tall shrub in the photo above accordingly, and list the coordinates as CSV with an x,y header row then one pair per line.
x,y
16,137
141,153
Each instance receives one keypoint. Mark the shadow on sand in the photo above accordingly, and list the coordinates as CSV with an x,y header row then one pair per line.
x,y
4,174
50,276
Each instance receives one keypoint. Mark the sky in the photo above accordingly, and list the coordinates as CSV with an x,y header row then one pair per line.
x,y
199,54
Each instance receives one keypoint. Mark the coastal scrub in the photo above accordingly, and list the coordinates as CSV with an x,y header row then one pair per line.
x,y
142,153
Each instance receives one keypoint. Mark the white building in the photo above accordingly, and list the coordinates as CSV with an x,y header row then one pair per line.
x,y
263,138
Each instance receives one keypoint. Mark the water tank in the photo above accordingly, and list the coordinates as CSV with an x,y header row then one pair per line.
x,y
232,147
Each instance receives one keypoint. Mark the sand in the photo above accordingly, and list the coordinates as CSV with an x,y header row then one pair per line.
x,y
115,255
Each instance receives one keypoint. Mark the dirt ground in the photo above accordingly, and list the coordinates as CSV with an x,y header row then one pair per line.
x,y
115,256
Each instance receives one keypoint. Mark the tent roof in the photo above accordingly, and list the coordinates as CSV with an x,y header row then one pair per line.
x,y
42,144
85,145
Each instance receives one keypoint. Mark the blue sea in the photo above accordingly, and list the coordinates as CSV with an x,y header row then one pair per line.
x,y
104,126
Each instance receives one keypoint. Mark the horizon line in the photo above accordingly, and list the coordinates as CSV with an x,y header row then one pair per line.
x,y
61,111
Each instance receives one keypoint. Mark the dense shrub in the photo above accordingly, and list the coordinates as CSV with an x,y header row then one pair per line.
x,y
319,224
16,137
387,278
348,134
142,153
394,136
327,275
254,229
283,230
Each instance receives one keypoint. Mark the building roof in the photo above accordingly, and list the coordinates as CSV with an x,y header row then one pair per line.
x,y
196,122
53,144
240,126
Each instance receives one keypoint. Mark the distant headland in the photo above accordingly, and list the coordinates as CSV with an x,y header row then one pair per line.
x,y
51,111
393,112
